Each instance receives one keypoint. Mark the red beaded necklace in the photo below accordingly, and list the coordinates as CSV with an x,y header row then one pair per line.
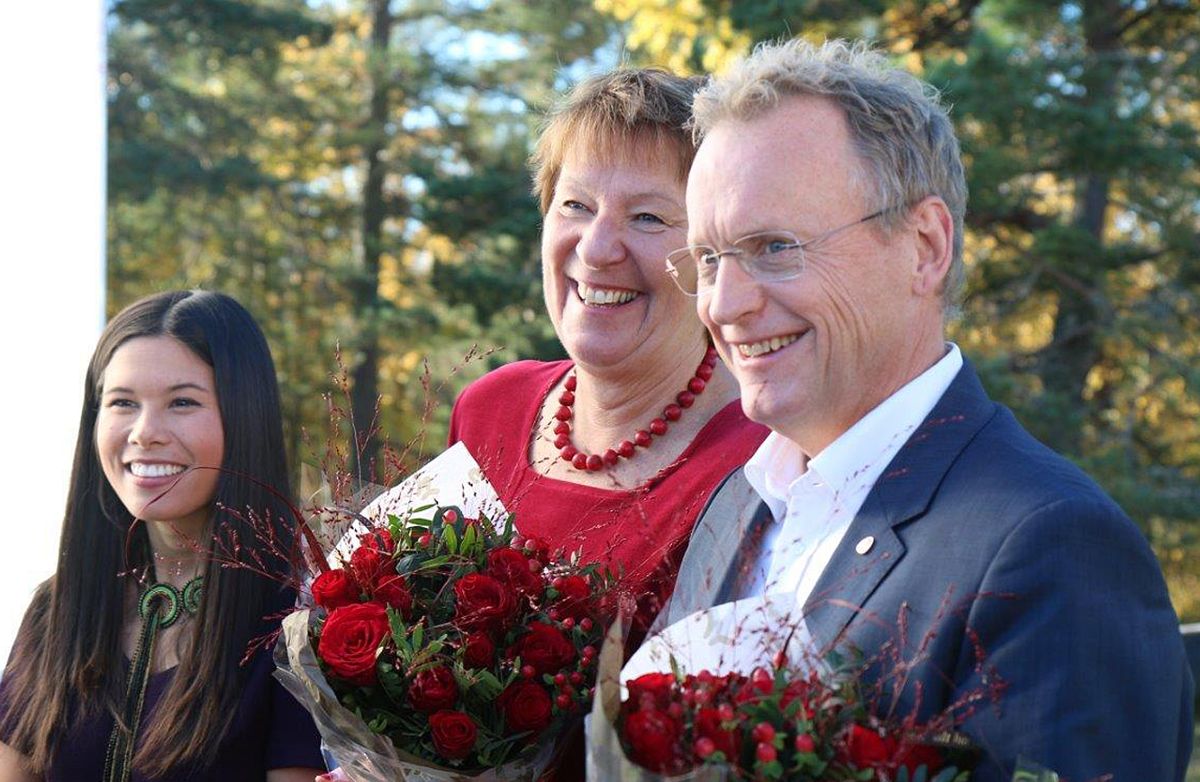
x,y
643,437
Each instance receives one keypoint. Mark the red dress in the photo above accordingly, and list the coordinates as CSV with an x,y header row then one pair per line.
x,y
641,531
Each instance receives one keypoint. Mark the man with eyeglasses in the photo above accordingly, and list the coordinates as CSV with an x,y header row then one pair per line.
x,y
911,516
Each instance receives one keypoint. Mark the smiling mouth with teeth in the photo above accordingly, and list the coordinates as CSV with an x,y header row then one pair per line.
x,y
753,349
598,297
140,470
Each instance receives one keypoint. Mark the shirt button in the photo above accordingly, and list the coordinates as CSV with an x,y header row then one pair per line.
x,y
864,546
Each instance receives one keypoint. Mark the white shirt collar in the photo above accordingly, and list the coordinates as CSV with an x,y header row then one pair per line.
x,y
859,455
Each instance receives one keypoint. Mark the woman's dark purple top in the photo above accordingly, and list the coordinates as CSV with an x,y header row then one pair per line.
x,y
271,730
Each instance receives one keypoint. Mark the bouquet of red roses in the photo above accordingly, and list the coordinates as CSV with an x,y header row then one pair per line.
x,y
804,720
446,648
780,724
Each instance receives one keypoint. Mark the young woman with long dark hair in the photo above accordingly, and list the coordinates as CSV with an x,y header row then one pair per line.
x,y
129,663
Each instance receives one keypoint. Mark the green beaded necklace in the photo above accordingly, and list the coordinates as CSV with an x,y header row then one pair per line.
x,y
160,606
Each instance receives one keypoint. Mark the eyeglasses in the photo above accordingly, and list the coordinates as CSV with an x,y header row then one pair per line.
x,y
768,256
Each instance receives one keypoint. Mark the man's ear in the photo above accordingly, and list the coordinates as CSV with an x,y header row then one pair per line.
x,y
934,233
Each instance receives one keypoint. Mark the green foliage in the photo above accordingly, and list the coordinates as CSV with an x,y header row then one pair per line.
x,y
357,179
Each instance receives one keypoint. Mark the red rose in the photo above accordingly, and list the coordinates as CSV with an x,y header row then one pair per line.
x,y
758,686
379,539
511,568
574,597
333,589
482,603
653,738
708,726
393,591
367,564
545,648
866,749
526,706
453,734
433,689
478,650
351,639
656,686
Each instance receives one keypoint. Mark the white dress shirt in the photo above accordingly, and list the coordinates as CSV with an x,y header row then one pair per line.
x,y
813,504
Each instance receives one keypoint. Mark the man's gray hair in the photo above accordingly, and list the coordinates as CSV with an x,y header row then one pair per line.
x,y
898,126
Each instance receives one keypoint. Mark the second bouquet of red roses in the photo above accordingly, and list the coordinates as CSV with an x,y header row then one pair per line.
x,y
802,718
459,644
781,724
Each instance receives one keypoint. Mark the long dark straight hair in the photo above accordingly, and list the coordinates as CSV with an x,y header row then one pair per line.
x,y
67,660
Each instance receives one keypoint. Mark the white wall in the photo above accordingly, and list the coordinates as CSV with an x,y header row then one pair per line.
x,y
51,273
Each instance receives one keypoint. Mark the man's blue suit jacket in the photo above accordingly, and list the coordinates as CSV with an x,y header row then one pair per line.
x,y
1020,576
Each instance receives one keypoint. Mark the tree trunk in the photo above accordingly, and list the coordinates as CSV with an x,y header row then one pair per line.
x,y
1077,346
365,377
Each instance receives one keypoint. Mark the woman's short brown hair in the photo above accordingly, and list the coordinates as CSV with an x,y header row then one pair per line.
x,y
611,113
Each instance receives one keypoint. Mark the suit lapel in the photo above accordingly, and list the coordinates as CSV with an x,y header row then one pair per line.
x,y
716,552
871,548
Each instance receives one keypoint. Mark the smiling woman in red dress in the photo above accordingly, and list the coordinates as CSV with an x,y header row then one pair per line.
x,y
613,452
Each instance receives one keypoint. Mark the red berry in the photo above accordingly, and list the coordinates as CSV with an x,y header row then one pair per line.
x,y
658,427
589,651
424,540
725,712
535,566
568,623
704,747
527,671
450,516
563,701
805,743
560,678
642,438
672,412
553,614
765,753
625,449
763,732
576,678
586,624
